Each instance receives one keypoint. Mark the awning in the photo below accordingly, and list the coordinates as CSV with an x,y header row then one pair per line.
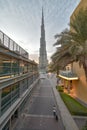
x,y
68,78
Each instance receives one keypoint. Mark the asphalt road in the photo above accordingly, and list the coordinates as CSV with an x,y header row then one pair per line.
x,y
38,112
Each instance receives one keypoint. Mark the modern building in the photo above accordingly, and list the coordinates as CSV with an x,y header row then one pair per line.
x,y
43,53
18,75
73,77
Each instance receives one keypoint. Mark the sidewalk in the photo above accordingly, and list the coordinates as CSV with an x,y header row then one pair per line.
x,y
67,119
38,111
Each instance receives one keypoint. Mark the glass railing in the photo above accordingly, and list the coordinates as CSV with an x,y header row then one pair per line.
x,y
67,73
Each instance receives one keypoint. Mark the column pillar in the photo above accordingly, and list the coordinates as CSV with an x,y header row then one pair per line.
x,y
68,87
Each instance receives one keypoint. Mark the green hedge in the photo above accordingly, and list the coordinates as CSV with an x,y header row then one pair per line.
x,y
74,107
59,88
84,128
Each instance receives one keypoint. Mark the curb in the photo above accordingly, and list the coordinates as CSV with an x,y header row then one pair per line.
x,y
67,119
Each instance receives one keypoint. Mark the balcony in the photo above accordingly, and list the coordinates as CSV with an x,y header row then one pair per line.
x,y
68,75
8,43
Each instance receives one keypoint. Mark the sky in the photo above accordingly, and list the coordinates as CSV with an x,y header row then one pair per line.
x,y
21,21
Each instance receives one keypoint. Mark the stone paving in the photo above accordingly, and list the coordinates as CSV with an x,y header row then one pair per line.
x,y
38,112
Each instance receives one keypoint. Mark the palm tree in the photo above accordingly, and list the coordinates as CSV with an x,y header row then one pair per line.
x,y
73,43
62,55
79,38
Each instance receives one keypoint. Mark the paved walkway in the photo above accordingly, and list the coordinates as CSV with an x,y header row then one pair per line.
x,y
38,112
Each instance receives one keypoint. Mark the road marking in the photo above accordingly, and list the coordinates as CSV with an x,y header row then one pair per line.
x,y
33,115
43,96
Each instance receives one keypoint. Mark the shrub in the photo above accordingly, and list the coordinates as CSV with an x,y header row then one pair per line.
x,y
74,106
60,88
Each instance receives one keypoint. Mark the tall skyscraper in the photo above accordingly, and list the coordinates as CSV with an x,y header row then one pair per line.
x,y
42,52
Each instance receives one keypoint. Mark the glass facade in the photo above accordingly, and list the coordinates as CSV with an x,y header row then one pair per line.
x,y
14,90
5,66
23,67
8,66
6,127
8,96
30,68
24,85
12,67
30,80
11,93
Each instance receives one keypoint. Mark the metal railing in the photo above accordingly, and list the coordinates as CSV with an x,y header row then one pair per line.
x,y
12,45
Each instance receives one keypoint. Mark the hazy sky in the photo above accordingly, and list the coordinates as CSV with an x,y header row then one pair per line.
x,y
21,21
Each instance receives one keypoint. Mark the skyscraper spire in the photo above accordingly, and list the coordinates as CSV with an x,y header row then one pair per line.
x,y
42,17
43,54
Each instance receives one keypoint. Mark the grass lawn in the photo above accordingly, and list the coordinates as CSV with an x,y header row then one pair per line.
x,y
74,107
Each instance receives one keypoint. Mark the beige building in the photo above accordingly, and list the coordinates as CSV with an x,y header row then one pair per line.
x,y
82,4
74,77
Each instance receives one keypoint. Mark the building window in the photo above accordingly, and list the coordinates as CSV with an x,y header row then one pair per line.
x,y
8,66
14,67
6,127
5,66
8,96
30,68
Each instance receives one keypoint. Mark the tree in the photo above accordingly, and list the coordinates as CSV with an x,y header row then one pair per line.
x,y
73,43
79,38
62,56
